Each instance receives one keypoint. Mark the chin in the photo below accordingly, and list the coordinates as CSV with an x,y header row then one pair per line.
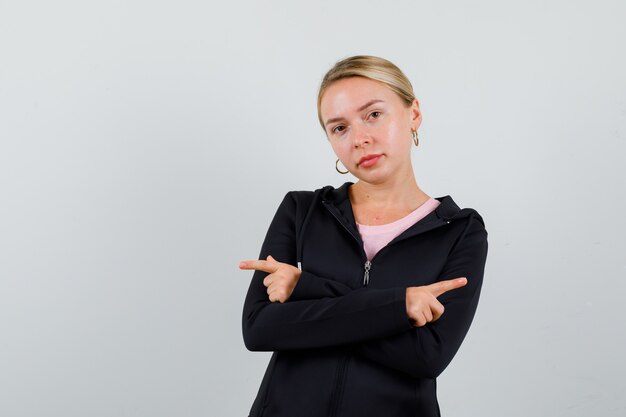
x,y
373,179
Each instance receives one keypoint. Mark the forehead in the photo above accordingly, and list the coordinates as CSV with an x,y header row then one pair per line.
x,y
349,93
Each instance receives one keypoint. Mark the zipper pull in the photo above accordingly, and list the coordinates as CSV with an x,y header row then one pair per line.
x,y
366,277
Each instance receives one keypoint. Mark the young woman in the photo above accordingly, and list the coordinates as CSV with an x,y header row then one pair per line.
x,y
364,292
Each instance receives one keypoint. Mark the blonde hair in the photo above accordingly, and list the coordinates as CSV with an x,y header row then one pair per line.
x,y
367,66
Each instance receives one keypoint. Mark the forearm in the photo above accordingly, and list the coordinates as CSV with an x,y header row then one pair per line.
x,y
423,352
311,286
356,317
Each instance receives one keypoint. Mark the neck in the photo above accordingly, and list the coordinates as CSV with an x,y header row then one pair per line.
x,y
400,192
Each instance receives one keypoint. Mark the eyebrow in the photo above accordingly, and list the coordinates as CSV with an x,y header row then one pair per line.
x,y
363,107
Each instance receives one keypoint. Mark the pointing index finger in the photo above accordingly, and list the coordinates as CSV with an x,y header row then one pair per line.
x,y
259,265
441,287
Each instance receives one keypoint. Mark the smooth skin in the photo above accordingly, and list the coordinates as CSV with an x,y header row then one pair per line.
x,y
364,117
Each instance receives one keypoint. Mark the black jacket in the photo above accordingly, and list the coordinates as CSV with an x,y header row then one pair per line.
x,y
343,344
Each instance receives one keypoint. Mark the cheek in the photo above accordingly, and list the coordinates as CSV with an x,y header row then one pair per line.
x,y
342,144
401,132
339,148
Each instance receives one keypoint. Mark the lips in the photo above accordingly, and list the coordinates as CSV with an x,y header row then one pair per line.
x,y
369,160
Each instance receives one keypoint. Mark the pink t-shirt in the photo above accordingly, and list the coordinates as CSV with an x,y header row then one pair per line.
x,y
377,237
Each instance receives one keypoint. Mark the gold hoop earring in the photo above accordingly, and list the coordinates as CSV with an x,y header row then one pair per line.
x,y
337,168
415,138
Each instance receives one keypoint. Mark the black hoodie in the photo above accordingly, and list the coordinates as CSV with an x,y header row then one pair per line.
x,y
343,343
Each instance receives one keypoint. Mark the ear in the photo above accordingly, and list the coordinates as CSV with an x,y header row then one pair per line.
x,y
416,115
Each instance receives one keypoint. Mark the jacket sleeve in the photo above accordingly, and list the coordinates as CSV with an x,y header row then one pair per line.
x,y
353,317
311,286
426,351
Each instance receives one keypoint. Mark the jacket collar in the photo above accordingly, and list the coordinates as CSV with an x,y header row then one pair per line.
x,y
338,202
447,210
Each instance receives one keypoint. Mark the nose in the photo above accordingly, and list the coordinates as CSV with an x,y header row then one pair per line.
x,y
360,136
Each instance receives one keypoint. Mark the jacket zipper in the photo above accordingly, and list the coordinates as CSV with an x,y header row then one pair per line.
x,y
338,391
336,399
368,263
366,276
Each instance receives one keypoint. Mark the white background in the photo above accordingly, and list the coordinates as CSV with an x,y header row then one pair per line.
x,y
145,146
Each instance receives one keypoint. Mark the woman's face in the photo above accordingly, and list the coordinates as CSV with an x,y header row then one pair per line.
x,y
369,128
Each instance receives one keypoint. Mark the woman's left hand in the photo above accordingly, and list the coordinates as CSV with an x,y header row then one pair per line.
x,y
282,278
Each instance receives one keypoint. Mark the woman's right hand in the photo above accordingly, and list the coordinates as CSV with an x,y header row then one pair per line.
x,y
422,305
282,278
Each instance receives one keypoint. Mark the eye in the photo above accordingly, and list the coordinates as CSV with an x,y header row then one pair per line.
x,y
375,114
338,129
